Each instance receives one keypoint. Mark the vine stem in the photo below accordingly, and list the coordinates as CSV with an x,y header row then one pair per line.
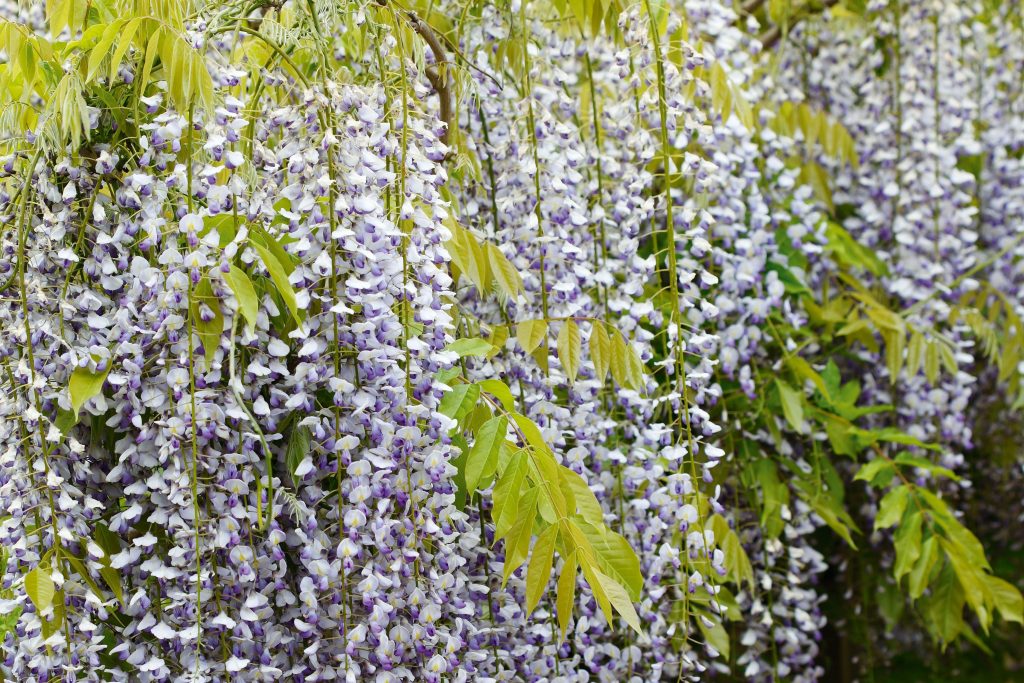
x,y
679,364
1015,242
58,545
532,122
194,470
406,304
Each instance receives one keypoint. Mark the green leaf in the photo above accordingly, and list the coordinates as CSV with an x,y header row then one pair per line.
x,y
483,456
600,351
774,496
568,345
86,384
446,376
790,282
715,635
226,225
915,353
245,295
539,571
943,609
736,561
497,337
80,568
545,468
458,402
967,543
459,463
279,275
473,346
500,391
921,573
479,269
972,581
830,375
792,404
40,588
834,516
931,361
113,580
804,370
531,333
870,471
531,432
209,331
299,446
847,251
925,464
151,49
894,435
907,541
890,510
619,599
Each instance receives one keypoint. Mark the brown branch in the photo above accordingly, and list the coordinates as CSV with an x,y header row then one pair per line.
x,y
749,7
437,74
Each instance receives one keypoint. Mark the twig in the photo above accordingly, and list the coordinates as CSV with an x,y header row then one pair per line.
x,y
438,73
749,7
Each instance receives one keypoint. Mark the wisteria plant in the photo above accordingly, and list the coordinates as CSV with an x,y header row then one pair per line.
x,y
452,340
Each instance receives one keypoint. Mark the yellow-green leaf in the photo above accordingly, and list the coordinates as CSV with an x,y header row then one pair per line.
x,y
483,456
517,543
614,556
102,48
792,404
85,384
507,493
890,510
619,599
1006,598
922,570
40,588
530,334
715,635
566,593
470,346
586,502
505,274
907,542
600,351
626,366
245,294
124,41
280,277
539,571
569,348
